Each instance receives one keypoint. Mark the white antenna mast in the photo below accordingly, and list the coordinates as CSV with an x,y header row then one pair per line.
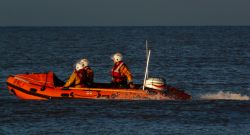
x,y
147,54
146,72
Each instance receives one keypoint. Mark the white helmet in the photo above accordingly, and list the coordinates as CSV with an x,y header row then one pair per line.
x,y
79,66
84,62
117,57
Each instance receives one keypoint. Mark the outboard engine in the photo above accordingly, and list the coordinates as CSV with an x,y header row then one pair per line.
x,y
155,83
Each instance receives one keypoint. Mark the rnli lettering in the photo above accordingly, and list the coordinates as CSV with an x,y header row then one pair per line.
x,y
89,92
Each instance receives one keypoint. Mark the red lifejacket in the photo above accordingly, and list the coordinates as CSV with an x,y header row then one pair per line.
x,y
117,77
82,74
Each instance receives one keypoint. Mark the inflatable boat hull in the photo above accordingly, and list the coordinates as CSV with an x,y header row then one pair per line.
x,y
45,86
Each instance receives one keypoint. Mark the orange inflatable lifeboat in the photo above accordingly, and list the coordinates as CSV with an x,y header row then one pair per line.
x,y
45,86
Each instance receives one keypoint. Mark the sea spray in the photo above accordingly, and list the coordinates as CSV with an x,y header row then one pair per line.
x,y
224,95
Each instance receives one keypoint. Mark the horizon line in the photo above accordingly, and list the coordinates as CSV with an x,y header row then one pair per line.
x,y
124,25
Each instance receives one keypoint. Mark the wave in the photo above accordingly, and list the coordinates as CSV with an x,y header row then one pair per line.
x,y
224,95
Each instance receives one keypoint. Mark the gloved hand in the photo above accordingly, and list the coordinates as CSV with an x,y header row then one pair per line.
x,y
131,85
65,88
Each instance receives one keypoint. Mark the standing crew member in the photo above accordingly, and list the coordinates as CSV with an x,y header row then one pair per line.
x,y
121,76
82,76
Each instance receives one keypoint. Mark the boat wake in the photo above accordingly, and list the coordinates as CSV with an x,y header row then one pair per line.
x,y
224,95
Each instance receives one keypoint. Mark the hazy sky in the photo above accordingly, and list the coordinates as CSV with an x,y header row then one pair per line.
x,y
124,12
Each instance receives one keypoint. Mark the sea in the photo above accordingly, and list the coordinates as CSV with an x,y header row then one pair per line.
x,y
211,63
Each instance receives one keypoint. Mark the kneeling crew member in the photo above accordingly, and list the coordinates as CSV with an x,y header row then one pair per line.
x,y
82,76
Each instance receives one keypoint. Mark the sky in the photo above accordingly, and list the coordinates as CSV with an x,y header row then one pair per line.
x,y
124,12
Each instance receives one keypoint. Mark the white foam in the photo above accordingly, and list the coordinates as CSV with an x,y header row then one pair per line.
x,y
224,95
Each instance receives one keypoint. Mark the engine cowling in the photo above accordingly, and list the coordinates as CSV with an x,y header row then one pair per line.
x,y
155,83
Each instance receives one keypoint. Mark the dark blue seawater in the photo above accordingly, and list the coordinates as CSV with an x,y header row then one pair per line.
x,y
210,63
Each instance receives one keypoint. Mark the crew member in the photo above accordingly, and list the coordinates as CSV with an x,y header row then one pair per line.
x,y
121,76
82,76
